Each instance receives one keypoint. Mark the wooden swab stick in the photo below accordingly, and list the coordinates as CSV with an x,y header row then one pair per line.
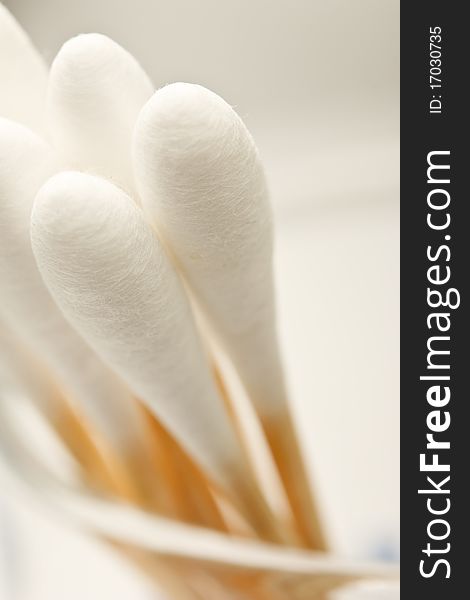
x,y
25,162
96,90
194,504
22,376
299,575
203,188
188,492
111,277
23,75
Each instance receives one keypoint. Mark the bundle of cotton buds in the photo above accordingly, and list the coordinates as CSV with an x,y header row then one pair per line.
x,y
135,253
124,211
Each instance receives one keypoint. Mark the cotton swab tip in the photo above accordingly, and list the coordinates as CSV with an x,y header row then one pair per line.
x,y
96,91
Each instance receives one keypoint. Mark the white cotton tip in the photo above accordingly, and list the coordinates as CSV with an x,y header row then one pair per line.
x,y
110,275
23,75
203,187
25,163
96,90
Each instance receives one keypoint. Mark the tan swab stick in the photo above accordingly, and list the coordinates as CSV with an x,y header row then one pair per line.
x,y
202,186
23,75
188,497
24,377
109,274
25,162
96,90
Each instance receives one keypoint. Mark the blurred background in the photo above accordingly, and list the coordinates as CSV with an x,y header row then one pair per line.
x,y
317,83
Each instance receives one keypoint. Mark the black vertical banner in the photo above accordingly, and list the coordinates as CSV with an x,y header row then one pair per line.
x,y
435,270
